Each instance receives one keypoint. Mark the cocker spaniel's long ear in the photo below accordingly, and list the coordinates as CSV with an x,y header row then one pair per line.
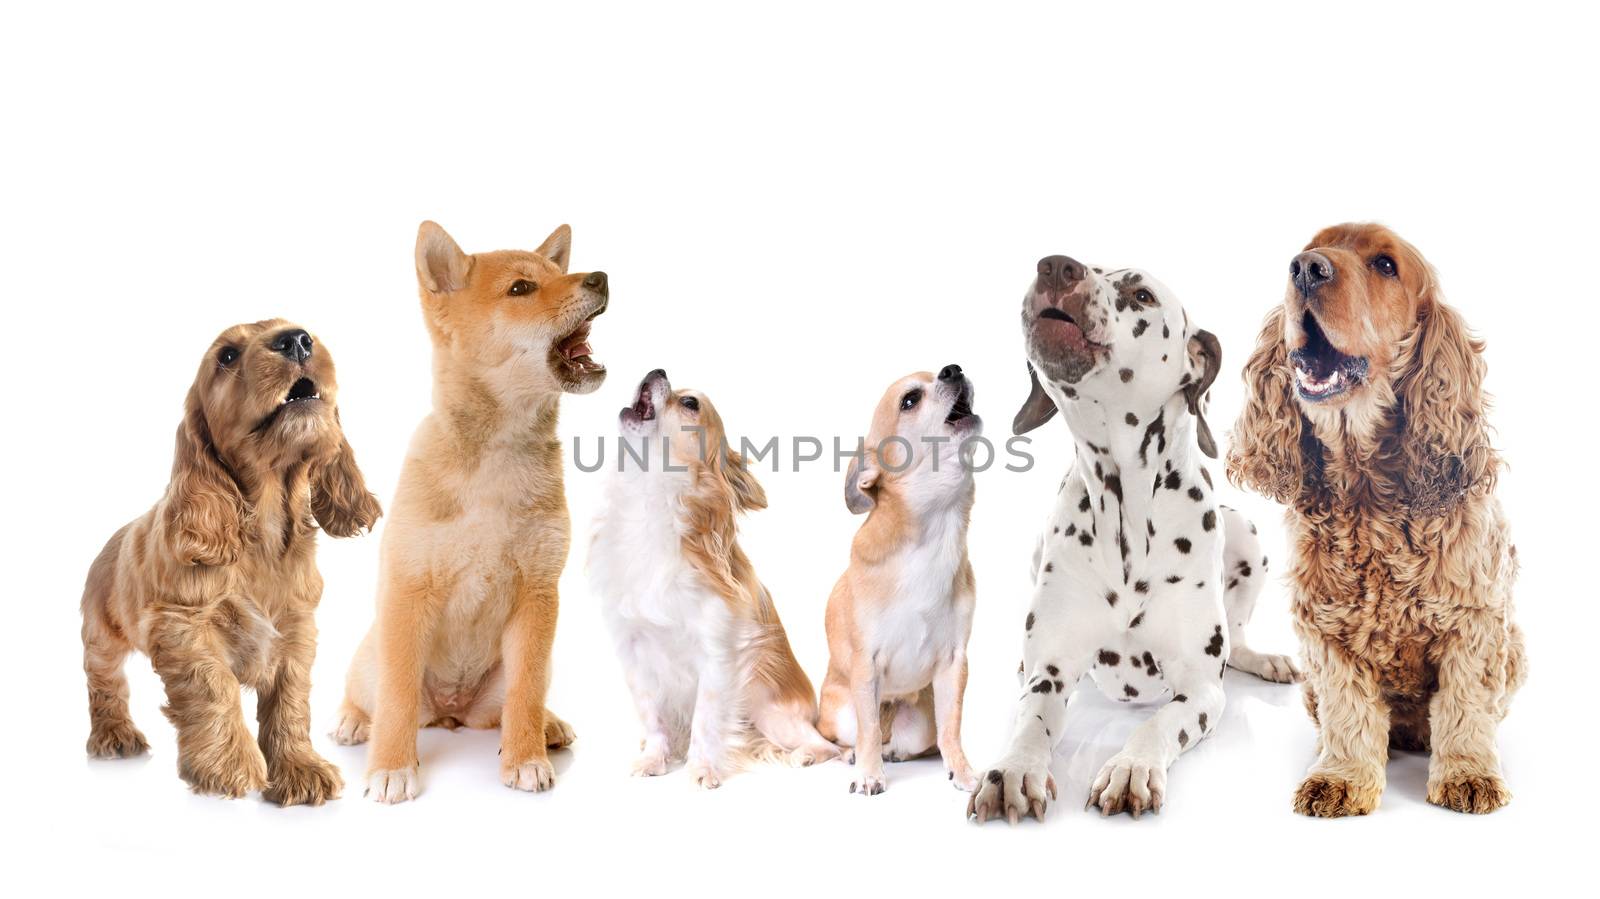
x,y
206,511
339,496
1444,446
1205,360
1266,453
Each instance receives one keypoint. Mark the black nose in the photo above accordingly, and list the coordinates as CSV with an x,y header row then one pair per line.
x,y
596,281
1060,272
294,343
1309,271
658,373
951,372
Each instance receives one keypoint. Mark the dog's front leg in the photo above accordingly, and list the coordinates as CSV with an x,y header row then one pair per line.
x,y
216,753
1135,779
1020,783
1464,770
716,708
655,750
525,649
865,695
297,774
949,687
408,612
1352,735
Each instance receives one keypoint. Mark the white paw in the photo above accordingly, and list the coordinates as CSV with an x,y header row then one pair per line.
x,y
704,775
963,779
533,776
869,784
1011,790
1130,784
352,729
1276,668
394,785
650,765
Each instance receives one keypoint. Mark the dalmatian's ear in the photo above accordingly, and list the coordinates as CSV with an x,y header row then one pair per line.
x,y
1205,360
1036,410
860,483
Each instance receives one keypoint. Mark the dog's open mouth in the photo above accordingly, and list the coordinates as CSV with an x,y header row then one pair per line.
x,y
1321,372
1061,326
642,408
303,390
962,408
575,353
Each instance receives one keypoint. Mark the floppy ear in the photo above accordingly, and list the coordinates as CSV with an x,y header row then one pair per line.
x,y
1444,451
339,496
557,247
1037,409
747,492
1272,450
1205,360
205,511
860,483
441,266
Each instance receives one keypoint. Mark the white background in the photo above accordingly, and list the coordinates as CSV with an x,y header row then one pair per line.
x,y
794,209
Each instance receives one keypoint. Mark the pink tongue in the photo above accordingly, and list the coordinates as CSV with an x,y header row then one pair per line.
x,y
580,348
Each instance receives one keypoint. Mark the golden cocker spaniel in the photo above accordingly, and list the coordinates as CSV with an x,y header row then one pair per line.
x,y
218,583
1365,414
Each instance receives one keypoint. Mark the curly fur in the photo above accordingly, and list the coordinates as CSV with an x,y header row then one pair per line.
x,y
218,583
1402,563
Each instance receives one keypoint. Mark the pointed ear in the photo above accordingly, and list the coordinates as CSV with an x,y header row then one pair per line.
x,y
1036,410
859,484
1205,360
441,266
747,492
339,496
205,510
557,247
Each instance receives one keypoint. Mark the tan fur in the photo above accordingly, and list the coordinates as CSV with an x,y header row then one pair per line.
x,y
479,531
901,726
218,583
1402,564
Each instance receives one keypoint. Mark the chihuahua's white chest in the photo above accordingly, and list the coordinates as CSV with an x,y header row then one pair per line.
x,y
927,623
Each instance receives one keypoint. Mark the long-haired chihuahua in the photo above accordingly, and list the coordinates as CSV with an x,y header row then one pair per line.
x,y
701,646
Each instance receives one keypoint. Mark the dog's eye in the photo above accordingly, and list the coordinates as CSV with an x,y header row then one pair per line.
x,y
1385,266
690,403
1144,296
520,287
911,399
228,355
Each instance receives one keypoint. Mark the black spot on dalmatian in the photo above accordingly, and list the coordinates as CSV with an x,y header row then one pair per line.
x,y
1122,547
1107,657
1095,448
1203,727
1214,647
1199,585
1099,473
1086,539
1183,544
1111,597
1233,582
1173,481
1137,620
1070,393
1043,686
1150,666
995,777
1049,567
1131,419
1156,431
1028,625
1126,375
1114,486
1083,504
1263,561
1129,690
1053,670
1139,326
1183,738
1174,578
1207,475
1180,698
1165,331
1071,529
1141,587
1150,526
1196,494
1208,521
1244,569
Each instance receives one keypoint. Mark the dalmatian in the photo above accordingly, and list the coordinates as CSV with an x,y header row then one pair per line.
x,y
1141,579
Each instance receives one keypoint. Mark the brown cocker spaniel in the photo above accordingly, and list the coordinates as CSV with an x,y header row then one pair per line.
x,y
1366,416
218,583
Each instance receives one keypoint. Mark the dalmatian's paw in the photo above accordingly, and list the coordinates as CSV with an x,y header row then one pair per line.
x,y
1012,790
1278,669
1129,783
